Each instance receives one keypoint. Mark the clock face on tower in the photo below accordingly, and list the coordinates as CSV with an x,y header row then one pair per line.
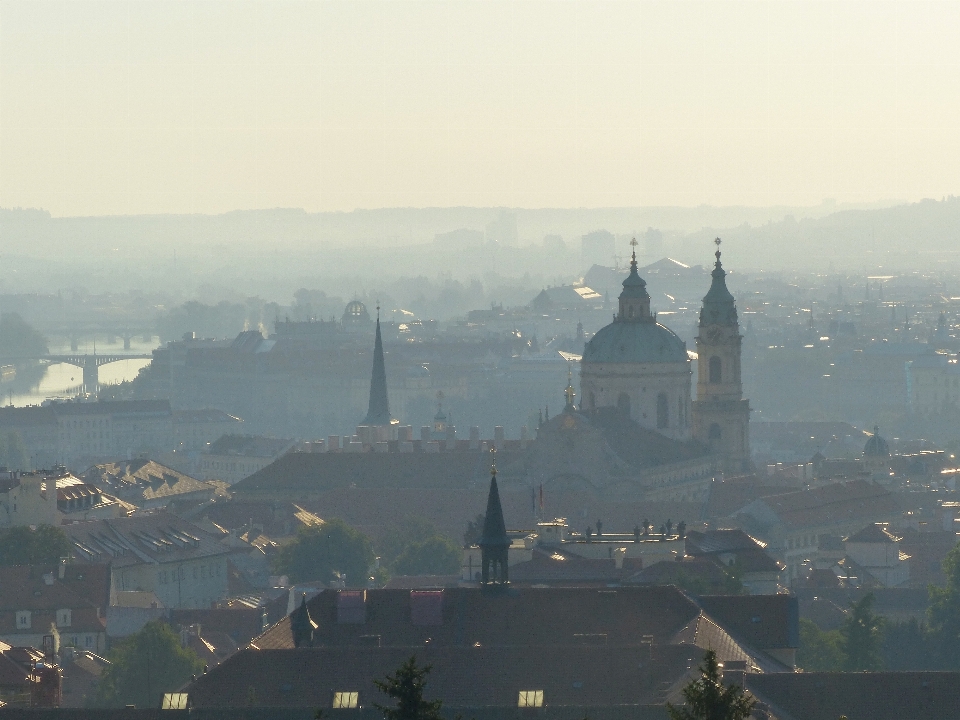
x,y
714,335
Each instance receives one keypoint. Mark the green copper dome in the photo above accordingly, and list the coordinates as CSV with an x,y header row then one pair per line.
x,y
635,342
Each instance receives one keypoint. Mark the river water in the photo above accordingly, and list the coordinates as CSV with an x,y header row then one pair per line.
x,y
65,381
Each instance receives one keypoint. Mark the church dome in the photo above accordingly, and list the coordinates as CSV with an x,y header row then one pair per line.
x,y
876,446
356,311
638,342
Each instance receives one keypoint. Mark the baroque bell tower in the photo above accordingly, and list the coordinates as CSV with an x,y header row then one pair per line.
x,y
721,415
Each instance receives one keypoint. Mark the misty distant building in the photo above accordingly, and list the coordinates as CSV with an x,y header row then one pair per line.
x,y
503,230
597,248
355,317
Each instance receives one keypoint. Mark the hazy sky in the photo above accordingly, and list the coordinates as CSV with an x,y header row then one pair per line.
x,y
176,106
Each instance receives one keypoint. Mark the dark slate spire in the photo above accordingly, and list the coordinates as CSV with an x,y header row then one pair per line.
x,y
494,543
494,528
378,412
719,307
302,625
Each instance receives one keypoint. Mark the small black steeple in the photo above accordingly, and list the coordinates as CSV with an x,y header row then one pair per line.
x,y
302,625
719,307
378,412
494,543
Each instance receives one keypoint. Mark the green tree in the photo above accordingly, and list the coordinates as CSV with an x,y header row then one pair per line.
x,y
406,686
707,698
862,634
820,650
434,556
943,615
44,546
401,535
474,531
146,665
13,451
907,646
319,552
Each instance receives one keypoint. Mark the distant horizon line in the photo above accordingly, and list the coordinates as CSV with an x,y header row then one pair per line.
x,y
826,203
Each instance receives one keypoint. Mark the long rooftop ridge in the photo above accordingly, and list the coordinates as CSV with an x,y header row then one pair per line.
x,y
378,411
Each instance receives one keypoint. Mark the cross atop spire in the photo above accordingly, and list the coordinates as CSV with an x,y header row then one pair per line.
x,y
633,257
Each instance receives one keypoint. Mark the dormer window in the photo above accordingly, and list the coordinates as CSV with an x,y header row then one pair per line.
x,y
23,620
345,700
530,699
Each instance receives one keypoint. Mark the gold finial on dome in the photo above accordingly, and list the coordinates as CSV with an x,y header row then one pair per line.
x,y
633,257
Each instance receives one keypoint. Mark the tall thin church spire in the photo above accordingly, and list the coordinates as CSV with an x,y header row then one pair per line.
x,y
494,543
378,412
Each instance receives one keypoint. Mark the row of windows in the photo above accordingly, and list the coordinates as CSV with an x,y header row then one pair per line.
x,y
25,618
350,699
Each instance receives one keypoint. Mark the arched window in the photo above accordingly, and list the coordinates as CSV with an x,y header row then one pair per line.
x,y
715,370
714,433
623,404
662,411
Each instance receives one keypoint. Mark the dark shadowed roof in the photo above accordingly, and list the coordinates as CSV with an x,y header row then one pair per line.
x,y
760,621
304,473
860,696
462,677
873,533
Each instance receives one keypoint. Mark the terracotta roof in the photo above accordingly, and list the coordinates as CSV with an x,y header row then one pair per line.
x,y
859,696
837,503
39,590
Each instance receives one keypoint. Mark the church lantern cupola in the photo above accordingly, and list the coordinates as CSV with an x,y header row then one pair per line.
x,y
494,543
